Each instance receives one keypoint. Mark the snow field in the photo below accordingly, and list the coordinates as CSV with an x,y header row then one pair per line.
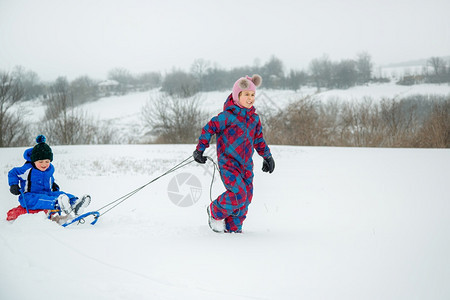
x,y
329,223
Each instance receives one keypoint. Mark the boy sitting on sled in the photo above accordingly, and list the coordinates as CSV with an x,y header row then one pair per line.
x,y
35,185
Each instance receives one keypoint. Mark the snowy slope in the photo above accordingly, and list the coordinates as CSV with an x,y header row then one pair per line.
x,y
329,223
124,113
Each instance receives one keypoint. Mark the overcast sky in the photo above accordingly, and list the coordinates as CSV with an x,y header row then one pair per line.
x,y
89,37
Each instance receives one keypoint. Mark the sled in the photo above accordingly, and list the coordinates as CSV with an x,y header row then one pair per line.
x,y
16,212
81,218
53,215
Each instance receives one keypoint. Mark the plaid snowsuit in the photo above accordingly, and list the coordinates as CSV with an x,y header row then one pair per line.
x,y
239,133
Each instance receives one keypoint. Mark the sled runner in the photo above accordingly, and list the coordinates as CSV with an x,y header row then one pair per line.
x,y
81,218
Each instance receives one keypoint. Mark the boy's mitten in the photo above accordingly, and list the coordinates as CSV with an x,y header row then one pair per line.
x,y
198,157
268,165
14,189
55,187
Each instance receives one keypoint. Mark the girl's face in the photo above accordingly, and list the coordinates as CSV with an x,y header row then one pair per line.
x,y
42,165
247,98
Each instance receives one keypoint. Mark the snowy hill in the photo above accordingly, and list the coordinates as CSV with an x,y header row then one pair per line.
x,y
124,113
329,223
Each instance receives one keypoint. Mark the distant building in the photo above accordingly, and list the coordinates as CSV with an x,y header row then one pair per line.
x,y
108,87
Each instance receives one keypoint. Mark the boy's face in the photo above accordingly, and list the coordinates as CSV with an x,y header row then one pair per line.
x,y
247,98
42,165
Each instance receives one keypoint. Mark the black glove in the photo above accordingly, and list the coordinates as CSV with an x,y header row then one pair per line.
x,y
14,189
55,187
268,165
198,157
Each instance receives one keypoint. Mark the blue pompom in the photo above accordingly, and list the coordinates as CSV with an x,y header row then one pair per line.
x,y
40,139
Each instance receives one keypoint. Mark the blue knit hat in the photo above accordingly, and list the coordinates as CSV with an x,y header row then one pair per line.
x,y
41,151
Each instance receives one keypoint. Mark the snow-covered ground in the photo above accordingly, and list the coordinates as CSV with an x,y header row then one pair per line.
x,y
329,223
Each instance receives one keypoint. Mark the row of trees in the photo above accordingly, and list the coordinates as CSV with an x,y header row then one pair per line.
x,y
343,74
417,121
323,73
205,76
436,70
13,129
84,88
66,124
63,123
412,122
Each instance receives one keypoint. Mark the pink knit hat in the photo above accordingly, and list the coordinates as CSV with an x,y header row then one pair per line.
x,y
245,84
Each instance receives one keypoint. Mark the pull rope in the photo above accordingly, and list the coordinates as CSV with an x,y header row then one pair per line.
x,y
216,167
212,179
119,200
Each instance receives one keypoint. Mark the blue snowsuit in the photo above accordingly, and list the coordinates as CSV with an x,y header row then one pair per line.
x,y
35,185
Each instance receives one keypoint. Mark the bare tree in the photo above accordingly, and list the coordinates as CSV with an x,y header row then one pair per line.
x,y
199,69
13,130
321,72
344,74
364,66
400,121
360,125
59,99
123,77
29,81
303,122
64,124
296,79
435,132
438,65
180,84
83,89
148,80
174,120
273,73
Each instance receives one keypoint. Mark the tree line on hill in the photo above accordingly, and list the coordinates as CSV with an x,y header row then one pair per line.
x,y
205,76
436,70
416,122
419,121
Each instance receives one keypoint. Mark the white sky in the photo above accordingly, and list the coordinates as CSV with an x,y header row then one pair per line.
x,y
89,37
